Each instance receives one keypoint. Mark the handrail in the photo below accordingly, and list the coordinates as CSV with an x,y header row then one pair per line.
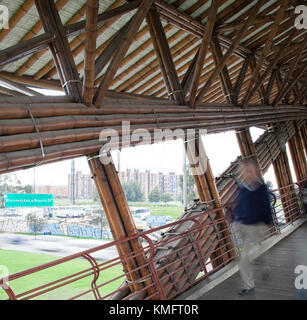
x,y
194,241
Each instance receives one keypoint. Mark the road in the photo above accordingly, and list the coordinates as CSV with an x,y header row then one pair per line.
x,y
55,245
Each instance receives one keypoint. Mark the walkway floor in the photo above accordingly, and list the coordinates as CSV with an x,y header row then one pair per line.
x,y
283,258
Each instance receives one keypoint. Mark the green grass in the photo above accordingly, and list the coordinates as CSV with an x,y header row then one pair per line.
x,y
17,261
78,202
173,211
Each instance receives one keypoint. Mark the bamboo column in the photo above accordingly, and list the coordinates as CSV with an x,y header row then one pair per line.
x,y
90,51
283,176
247,147
303,130
297,155
121,222
208,192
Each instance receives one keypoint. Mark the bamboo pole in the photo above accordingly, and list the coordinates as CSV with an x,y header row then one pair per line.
x,y
203,50
252,89
61,50
265,51
34,31
119,55
164,56
229,52
25,158
18,87
115,220
25,48
90,51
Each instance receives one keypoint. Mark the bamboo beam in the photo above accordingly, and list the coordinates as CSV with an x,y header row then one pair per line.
x,y
102,18
160,64
18,87
152,66
203,50
119,55
295,79
186,82
166,61
185,22
107,53
45,84
34,31
25,48
90,51
10,92
229,52
225,81
76,28
240,79
69,143
259,84
77,47
60,49
270,87
283,88
265,50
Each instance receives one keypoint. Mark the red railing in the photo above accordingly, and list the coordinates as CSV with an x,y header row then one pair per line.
x,y
174,263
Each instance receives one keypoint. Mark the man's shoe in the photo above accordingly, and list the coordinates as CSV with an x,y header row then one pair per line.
x,y
245,292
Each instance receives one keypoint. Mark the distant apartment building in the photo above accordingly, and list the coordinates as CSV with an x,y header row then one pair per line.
x,y
57,191
83,184
166,183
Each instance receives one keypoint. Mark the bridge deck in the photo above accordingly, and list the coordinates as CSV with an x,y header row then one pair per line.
x,y
282,259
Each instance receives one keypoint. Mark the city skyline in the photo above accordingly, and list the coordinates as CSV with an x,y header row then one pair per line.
x,y
148,180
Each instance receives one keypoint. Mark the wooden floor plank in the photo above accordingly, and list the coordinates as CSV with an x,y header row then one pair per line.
x,y
282,260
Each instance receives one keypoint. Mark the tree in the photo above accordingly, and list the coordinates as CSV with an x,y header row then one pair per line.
x,y
166,197
9,183
28,188
133,191
35,223
100,221
154,195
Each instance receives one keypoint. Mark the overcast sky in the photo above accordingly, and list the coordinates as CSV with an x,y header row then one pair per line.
x,y
221,149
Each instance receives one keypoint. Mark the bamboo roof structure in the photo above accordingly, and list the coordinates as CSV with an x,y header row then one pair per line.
x,y
184,23
216,65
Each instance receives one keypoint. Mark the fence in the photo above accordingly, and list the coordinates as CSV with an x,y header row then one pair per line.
x,y
189,251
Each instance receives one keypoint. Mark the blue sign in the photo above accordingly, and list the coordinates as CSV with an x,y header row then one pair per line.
x,y
27,200
156,221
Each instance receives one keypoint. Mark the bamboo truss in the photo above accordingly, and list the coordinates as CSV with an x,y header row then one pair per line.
x,y
161,68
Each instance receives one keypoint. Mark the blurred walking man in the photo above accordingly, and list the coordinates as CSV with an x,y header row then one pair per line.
x,y
253,215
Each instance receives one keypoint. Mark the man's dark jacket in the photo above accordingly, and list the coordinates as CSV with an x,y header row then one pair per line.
x,y
253,206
